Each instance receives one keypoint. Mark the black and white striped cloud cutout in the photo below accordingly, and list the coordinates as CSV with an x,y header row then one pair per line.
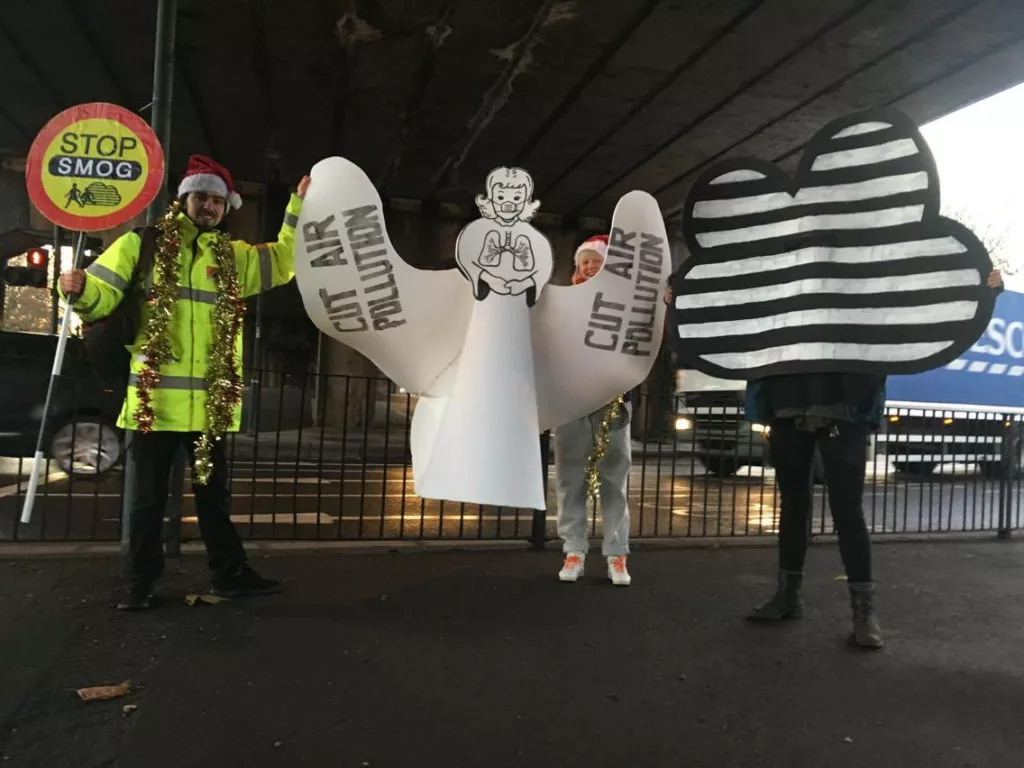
x,y
846,268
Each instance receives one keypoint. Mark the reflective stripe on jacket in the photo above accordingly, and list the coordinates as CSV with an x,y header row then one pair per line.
x,y
179,400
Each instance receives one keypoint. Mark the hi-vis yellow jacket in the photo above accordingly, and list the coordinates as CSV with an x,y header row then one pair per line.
x,y
179,400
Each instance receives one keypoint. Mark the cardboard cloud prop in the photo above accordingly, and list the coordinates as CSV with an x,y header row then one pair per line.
x,y
495,354
846,268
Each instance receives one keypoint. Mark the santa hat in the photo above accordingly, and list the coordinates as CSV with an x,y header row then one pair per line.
x,y
597,243
207,175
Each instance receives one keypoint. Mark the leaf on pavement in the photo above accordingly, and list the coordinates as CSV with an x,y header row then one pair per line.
x,y
208,599
104,692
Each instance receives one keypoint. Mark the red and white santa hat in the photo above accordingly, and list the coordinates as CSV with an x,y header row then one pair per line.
x,y
597,243
207,175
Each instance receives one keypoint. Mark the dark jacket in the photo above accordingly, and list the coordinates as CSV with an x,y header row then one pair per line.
x,y
863,396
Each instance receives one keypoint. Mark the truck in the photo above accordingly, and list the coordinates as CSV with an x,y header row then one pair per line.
x,y
967,412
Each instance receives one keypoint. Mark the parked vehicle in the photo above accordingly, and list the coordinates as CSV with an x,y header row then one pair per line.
x,y
81,436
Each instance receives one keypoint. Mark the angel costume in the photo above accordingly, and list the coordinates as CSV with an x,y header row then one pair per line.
x,y
508,262
493,361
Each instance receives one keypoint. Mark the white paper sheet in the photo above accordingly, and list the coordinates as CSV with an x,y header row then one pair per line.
x,y
595,341
356,288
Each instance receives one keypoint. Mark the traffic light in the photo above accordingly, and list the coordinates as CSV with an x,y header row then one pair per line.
x,y
34,275
37,258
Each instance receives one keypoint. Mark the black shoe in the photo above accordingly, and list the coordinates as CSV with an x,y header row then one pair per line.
x,y
138,597
866,631
247,583
785,603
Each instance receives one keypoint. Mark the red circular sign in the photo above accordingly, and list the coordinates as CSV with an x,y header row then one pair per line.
x,y
93,167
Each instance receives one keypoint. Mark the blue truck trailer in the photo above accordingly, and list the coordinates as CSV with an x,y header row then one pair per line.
x,y
967,412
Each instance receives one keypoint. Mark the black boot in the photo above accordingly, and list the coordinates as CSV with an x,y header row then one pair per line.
x,y
245,583
137,597
866,632
785,603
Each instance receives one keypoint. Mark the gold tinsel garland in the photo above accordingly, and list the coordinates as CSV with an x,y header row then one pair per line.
x,y
600,446
223,384
156,341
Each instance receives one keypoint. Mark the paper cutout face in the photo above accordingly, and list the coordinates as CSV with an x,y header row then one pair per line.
x,y
501,253
846,268
509,196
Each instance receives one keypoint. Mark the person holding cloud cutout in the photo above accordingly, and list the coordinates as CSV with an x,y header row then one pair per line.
x,y
835,412
574,443
814,289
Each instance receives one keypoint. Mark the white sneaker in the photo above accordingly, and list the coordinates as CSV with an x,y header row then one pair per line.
x,y
572,568
617,571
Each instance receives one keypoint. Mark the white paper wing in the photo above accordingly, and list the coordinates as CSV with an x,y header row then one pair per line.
x,y
595,341
411,323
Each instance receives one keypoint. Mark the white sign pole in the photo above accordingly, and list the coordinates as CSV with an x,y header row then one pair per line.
x,y
58,364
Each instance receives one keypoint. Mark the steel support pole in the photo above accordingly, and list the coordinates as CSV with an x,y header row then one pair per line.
x,y
163,92
54,293
256,362
160,119
1007,473
538,527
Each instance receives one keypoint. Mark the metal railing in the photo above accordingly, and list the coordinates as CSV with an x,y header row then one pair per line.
x,y
328,458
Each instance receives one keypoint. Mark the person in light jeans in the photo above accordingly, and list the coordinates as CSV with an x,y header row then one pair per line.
x,y
574,443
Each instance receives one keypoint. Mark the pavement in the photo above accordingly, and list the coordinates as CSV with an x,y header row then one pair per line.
x,y
481,658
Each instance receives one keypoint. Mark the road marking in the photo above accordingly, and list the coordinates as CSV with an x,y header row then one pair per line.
x,y
312,518
297,480
302,518
242,496
645,497
322,518
19,488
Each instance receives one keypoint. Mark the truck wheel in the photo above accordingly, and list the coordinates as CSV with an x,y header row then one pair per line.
x,y
722,466
991,470
914,467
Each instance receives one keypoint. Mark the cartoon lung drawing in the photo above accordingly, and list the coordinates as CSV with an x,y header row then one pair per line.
x,y
495,354
848,267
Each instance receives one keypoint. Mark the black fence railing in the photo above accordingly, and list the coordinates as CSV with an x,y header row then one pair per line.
x,y
327,457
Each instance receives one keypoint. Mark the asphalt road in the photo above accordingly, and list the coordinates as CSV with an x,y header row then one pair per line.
x,y
305,500
470,659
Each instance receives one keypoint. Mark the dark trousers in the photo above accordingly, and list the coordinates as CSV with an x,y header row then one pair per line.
x,y
153,453
844,454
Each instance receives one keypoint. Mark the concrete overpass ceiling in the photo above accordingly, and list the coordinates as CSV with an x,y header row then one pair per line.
x,y
594,97
886,63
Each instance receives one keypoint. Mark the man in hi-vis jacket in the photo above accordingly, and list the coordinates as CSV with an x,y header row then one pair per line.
x,y
173,411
